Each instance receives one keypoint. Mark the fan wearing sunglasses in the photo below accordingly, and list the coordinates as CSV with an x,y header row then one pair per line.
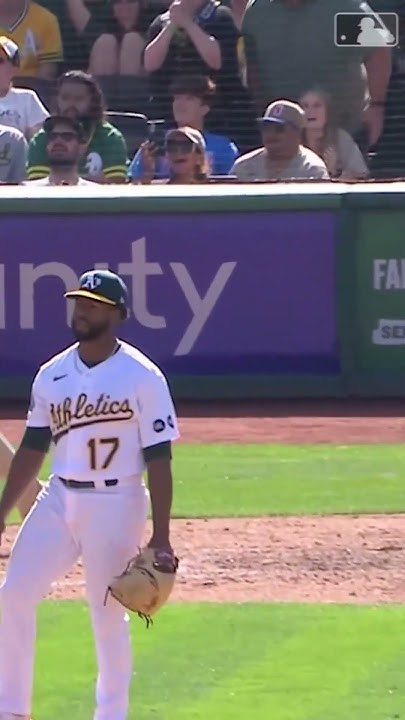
x,y
65,144
186,157
79,96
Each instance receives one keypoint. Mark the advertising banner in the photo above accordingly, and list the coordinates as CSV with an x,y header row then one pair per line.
x,y
220,293
380,268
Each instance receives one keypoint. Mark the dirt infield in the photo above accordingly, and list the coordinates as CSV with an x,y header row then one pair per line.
x,y
325,559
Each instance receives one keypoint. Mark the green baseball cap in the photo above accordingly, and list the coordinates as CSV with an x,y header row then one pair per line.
x,y
103,286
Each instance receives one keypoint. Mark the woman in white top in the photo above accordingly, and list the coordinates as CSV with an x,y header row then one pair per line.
x,y
334,145
20,108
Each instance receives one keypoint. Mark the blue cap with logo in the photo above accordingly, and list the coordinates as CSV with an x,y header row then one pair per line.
x,y
103,286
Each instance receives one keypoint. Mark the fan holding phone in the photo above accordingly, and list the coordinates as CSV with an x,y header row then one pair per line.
x,y
192,98
185,153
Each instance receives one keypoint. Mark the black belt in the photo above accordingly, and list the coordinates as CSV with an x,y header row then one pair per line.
x,y
78,485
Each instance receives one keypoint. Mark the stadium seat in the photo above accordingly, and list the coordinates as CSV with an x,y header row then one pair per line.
x,y
124,93
134,127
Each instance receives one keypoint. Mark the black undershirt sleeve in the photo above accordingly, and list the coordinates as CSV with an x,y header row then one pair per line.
x,y
161,450
37,438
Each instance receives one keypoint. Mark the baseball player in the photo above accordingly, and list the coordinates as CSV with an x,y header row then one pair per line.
x,y
107,410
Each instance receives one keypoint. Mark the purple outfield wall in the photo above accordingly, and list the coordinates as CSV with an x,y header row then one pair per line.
x,y
210,294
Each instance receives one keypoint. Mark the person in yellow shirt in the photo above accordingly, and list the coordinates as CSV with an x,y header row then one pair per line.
x,y
36,31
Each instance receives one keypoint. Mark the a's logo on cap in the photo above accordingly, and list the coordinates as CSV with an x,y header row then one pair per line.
x,y
92,282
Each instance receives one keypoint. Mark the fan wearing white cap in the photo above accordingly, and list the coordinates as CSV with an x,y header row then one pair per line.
x,y
282,156
20,108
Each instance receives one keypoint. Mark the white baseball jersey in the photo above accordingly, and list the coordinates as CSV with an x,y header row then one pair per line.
x,y
101,417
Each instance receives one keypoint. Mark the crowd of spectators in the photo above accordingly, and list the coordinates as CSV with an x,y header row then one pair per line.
x,y
196,91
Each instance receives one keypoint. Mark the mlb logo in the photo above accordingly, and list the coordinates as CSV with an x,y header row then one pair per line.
x,y
366,30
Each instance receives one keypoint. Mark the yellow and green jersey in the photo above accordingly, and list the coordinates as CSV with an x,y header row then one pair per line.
x,y
106,155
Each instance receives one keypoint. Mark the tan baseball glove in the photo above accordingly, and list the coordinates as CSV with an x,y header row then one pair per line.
x,y
146,583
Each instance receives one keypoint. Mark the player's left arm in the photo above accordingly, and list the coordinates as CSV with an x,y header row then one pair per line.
x,y
160,482
158,428
30,455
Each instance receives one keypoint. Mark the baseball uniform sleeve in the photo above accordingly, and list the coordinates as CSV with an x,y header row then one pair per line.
x,y
38,414
37,162
157,416
115,158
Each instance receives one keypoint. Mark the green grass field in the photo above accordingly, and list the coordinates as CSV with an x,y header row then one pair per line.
x,y
250,480
251,661
262,662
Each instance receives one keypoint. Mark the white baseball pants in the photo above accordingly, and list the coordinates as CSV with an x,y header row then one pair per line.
x,y
104,527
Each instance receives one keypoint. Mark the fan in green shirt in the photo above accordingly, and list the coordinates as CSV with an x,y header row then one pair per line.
x,y
106,157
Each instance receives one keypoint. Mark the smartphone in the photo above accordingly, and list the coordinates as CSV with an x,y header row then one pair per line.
x,y
157,135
